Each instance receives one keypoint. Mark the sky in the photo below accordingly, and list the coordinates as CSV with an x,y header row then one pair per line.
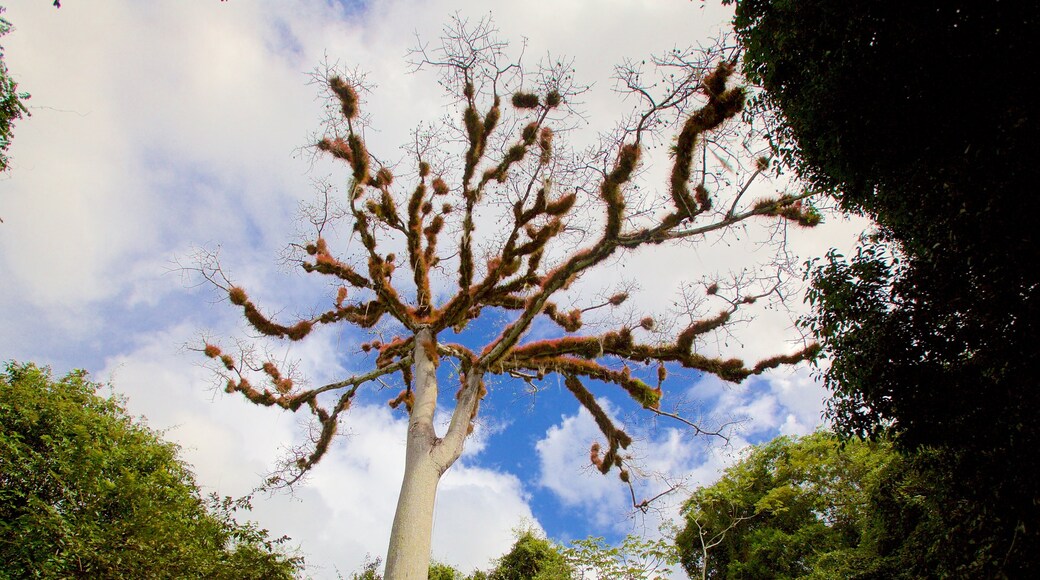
x,y
163,129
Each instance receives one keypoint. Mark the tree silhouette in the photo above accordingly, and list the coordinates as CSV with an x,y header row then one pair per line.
x,y
535,203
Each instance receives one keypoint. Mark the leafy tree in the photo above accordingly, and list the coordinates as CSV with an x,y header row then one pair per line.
x,y
86,492
532,557
12,106
933,337
794,508
551,215
636,558
439,571
370,570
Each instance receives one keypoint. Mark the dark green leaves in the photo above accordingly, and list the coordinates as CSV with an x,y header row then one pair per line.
x,y
87,492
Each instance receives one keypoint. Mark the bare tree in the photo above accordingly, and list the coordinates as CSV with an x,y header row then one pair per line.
x,y
709,538
546,215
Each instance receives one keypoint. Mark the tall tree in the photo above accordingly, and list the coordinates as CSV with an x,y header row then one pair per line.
x,y
549,216
86,492
935,338
794,508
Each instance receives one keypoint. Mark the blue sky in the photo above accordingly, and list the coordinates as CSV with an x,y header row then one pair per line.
x,y
162,128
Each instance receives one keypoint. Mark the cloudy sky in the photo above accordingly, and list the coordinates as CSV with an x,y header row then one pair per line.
x,y
163,128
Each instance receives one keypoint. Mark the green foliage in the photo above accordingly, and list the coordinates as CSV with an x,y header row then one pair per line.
x,y
87,492
535,557
370,570
440,571
635,559
922,116
532,558
12,106
794,508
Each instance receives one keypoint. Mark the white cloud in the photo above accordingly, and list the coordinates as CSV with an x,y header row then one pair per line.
x,y
565,469
477,510
783,402
660,457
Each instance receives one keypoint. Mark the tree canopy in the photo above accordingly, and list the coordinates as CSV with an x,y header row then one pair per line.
x,y
635,558
532,557
794,508
86,491
923,118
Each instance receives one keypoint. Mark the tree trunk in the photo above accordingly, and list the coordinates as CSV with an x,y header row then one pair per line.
x,y
409,554
427,457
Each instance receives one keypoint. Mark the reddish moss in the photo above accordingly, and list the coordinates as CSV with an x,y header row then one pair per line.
x,y
523,100
405,397
360,159
237,296
618,299
702,197
514,154
347,96
764,203
474,128
338,148
545,144
299,330
714,83
594,457
685,340
211,350
562,205
529,133
272,371
439,186
491,119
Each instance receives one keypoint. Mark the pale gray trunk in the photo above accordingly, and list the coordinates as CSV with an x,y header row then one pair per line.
x,y
427,457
